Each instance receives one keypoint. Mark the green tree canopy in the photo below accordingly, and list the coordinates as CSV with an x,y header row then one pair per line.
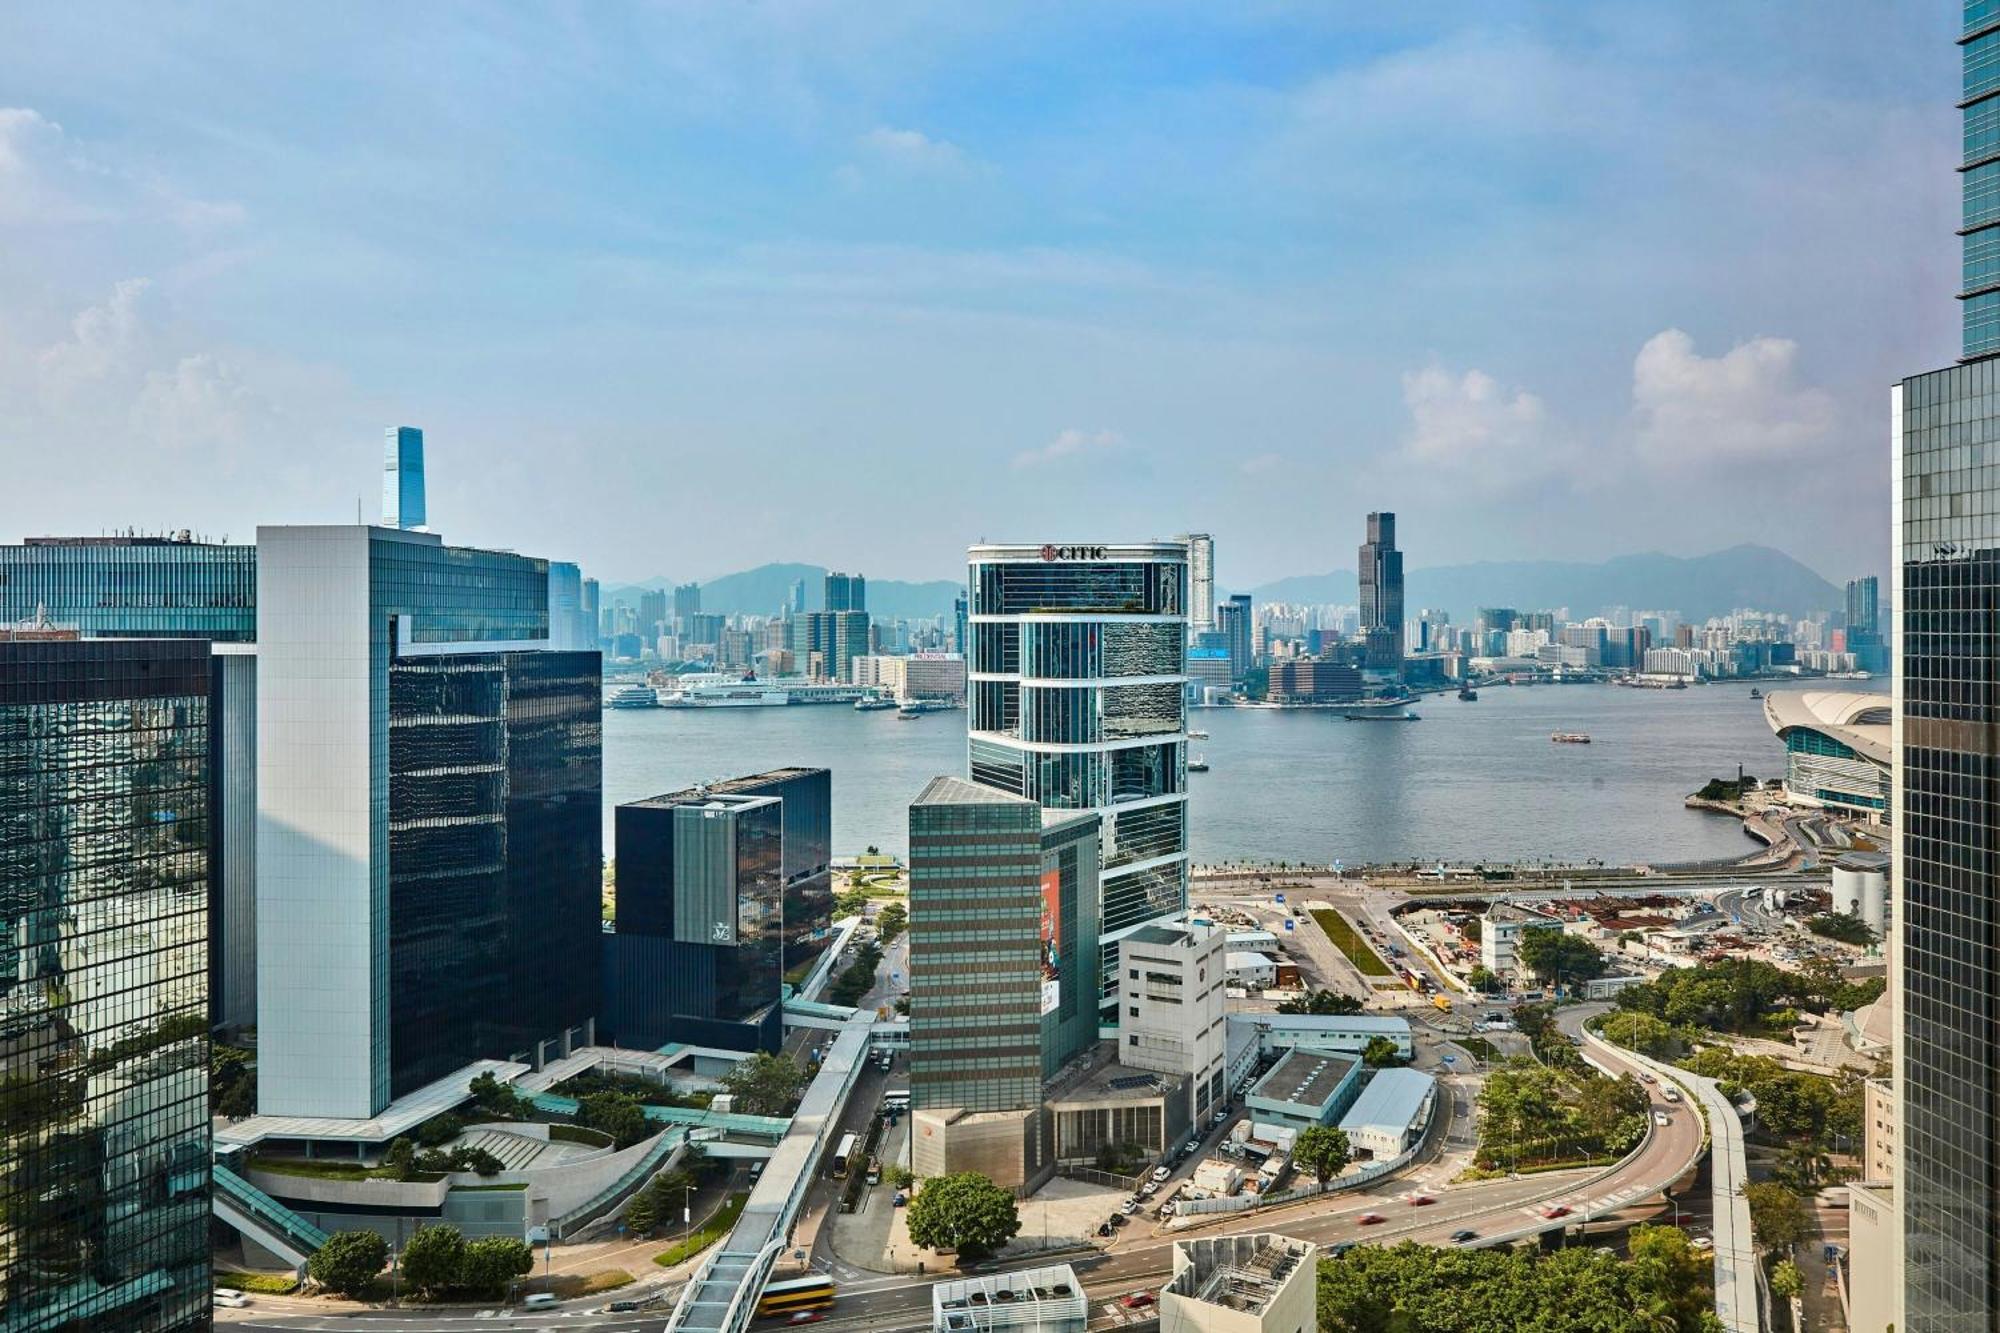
x,y
1321,1002
1558,957
642,1215
492,1262
765,1084
1380,1053
1640,1032
964,1212
1777,1216
1322,1150
1483,978
1787,1281
348,1262
432,1260
616,1114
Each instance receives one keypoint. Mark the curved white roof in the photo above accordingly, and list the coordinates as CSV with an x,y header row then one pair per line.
x,y
1856,719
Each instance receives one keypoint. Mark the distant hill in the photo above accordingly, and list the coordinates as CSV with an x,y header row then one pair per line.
x,y
761,591
1697,587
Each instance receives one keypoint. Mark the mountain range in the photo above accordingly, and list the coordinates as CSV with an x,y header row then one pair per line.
x,y
1695,586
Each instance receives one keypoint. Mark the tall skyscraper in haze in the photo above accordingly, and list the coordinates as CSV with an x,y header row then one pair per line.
x,y
1201,581
104,891
1864,628
403,477
1234,624
1946,589
797,605
1381,582
846,592
1076,691
687,601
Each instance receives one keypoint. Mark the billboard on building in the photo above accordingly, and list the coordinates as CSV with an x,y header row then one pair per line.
x,y
1051,940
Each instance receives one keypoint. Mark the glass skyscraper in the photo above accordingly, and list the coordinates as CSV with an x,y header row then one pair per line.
x,y
403,477
429,831
1201,582
104,810
1947,765
1076,687
1380,568
132,587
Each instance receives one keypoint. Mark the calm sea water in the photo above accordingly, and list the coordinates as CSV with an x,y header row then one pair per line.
x,y
1469,781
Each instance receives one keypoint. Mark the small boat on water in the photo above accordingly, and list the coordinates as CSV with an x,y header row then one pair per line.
x,y
1197,735
873,703
1198,764
1570,737
633,696
1380,715
1756,693
1468,694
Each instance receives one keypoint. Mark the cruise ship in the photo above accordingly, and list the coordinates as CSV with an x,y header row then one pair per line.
x,y
633,696
716,690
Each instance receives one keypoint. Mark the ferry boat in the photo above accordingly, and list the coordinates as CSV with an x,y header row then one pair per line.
x,y
1197,735
1380,715
1198,764
633,696
1570,737
918,707
715,690
1468,694
873,703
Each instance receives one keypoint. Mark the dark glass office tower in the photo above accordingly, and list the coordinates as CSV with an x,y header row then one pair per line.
x,y
1381,578
495,790
1947,765
1232,620
104,791
133,587
697,954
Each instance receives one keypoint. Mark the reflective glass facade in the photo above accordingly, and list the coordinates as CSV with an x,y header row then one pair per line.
x,y
133,587
104,807
495,851
1076,689
1979,223
1381,587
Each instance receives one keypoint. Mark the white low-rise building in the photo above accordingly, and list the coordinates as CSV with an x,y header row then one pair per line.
x,y
1252,971
1257,1283
1390,1114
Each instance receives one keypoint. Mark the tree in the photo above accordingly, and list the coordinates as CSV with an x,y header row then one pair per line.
x,y
616,1114
643,1213
496,1100
491,1263
433,1259
964,1212
402,1159
1322,1150
348,1262
1558,957
1787,1282
1321,1002
439,1130
1843,926
1483,978
891,921
765,1084
1640,1032
1777,1215
1380,1052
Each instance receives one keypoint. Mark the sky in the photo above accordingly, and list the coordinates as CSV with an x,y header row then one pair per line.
x,y
680,289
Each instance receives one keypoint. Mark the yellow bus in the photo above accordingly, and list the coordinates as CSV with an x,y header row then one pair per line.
x,y
796,1293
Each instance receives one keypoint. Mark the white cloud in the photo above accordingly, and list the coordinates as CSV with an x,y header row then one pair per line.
x,y
1470,420
1071,443
1744,406
202,401
102,343
46,179
913,150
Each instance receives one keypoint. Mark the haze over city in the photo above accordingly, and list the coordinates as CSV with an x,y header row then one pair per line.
x,y
678,290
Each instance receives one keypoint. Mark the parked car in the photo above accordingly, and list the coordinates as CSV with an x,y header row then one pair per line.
x,y
900,1199
1670,1094
1162,1172
1149,1189
1463,1234
1103,1228
1129,1207
1342,1248
1116,1220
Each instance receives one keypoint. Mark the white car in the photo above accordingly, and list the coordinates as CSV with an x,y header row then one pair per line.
x,y
1129,1207
1162,1172
1150,1188
1662,1118
230,1298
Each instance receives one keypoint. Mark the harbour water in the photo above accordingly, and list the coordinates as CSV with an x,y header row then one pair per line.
x,y
1470,781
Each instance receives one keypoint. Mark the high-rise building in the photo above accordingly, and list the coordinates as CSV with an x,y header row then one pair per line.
x,y
1864,630
1945,966
1076,693
1174,1020
133,587
720,889
850,640
846,592
687,601
798,598
104,893
1381,579
958,624
428,818
1233,623
653,613
403,477
1003,981
1201,581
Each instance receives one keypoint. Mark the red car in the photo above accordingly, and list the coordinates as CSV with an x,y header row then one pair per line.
x,y
1560,1210
1370,1219
1137,1300
1421,1201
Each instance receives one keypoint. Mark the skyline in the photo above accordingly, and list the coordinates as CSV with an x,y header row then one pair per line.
x,y
621,302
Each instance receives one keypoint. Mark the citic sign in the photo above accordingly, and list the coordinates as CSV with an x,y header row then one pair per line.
x,y
1073,552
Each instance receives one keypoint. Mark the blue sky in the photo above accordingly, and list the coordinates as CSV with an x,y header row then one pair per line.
x,y
683,288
